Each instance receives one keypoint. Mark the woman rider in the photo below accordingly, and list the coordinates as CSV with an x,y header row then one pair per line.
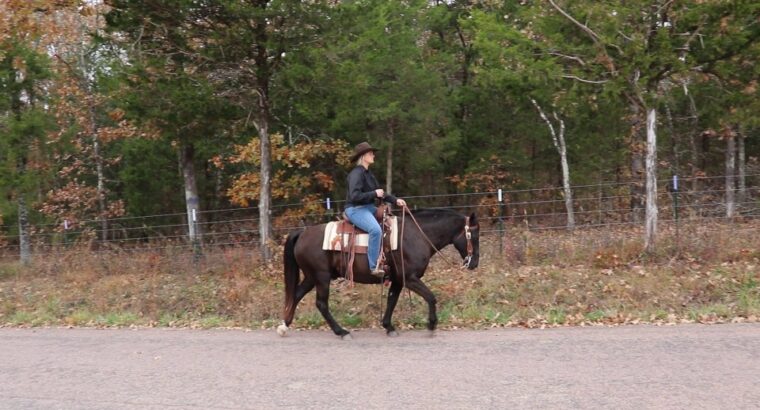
x,y
360,202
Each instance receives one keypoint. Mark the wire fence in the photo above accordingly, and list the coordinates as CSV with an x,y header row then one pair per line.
x,y
599,206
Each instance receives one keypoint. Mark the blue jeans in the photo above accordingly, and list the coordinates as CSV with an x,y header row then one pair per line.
x,y
364,217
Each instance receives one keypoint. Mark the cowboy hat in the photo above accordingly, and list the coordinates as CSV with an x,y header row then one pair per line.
x,y
361,149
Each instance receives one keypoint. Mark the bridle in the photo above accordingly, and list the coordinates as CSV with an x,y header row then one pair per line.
x,y
467,234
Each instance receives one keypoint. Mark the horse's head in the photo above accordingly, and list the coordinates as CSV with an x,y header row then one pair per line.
x,y
467,242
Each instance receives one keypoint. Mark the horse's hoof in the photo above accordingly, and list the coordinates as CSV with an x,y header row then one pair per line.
x,y
282,330
431,333
347,336
392,333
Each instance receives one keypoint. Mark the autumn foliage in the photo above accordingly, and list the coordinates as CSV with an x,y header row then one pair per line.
x,y
304,172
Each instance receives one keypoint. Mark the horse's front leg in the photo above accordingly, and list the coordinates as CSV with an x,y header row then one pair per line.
x,y
323,296
393,295
415,285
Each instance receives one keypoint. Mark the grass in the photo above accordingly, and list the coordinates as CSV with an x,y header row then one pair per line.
x,y
711,274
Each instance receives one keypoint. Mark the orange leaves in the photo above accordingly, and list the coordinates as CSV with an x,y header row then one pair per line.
x,y
491,176
116,115
76,202
245,189
299,168
303,172
324,180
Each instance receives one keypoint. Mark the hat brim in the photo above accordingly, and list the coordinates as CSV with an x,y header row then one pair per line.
x,y
362,152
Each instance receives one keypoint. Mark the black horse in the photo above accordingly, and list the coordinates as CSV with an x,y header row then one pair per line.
x,y
437,229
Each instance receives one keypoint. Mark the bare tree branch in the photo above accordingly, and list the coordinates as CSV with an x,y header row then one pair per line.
x,y
572,77
582,26
574,58
595,37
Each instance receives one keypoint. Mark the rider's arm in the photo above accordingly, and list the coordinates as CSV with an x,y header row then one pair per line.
x,y
389,198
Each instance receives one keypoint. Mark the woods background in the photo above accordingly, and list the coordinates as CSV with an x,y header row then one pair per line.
x,y
194,112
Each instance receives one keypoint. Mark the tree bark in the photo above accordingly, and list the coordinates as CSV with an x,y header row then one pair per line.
x,y
101,178
742,171
265,199
651,182
558,138
389,163
695,154
730,174
192,201
25,248
89,87
566,176
637,165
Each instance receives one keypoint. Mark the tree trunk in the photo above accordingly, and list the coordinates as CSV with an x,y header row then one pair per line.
x,y
89,86
730,174
192,202
559,143
101,178
389,163
651,182
637,165
695,154
742,170
25,248
566,179
265,200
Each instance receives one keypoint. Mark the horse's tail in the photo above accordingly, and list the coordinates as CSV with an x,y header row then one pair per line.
x,y
291,276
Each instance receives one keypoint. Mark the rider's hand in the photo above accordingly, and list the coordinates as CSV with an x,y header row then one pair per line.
x,y
400,202
380,193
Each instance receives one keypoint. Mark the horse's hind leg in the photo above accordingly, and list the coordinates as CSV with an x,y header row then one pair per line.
x,y
323,296
416,286
303,288
393,295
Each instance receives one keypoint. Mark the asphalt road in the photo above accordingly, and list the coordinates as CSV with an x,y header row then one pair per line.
x,y
633,367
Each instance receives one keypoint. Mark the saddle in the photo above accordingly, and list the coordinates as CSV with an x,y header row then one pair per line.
x,y
343,236
348,240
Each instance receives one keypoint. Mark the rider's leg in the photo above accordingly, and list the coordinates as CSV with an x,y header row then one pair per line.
x,y
364,218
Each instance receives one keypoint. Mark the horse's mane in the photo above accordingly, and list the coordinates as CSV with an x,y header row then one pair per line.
x,y
434,212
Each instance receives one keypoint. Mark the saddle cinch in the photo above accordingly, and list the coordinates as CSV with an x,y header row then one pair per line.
x,y
343,236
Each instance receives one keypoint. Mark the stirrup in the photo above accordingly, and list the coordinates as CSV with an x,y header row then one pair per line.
x,y
378,272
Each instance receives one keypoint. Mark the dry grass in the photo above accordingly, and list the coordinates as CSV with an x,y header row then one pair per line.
x,y
708,274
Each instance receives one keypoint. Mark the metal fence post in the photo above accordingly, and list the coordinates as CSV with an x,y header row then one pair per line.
x,y
196,242
501,222
328,205
65,231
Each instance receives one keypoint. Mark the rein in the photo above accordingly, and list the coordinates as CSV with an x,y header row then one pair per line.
x,y
466,232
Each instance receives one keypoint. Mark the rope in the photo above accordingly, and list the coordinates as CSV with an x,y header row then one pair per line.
x,y
406,209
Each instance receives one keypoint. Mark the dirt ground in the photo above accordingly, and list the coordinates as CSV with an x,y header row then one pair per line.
x,y
630,367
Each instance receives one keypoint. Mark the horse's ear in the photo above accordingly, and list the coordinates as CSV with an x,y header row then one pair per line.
x,y
473,219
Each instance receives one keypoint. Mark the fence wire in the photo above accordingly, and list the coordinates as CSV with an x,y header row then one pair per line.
x,y
596,206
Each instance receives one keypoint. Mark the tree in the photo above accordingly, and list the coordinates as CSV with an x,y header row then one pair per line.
x,y
304,171
24,122
633,48
558,138
248,42
24,125
166,82
387,91
87,122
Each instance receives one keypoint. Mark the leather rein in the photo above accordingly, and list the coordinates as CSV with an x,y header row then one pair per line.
x,y
467,232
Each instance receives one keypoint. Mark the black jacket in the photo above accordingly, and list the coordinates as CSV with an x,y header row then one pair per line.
x,y
361,188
